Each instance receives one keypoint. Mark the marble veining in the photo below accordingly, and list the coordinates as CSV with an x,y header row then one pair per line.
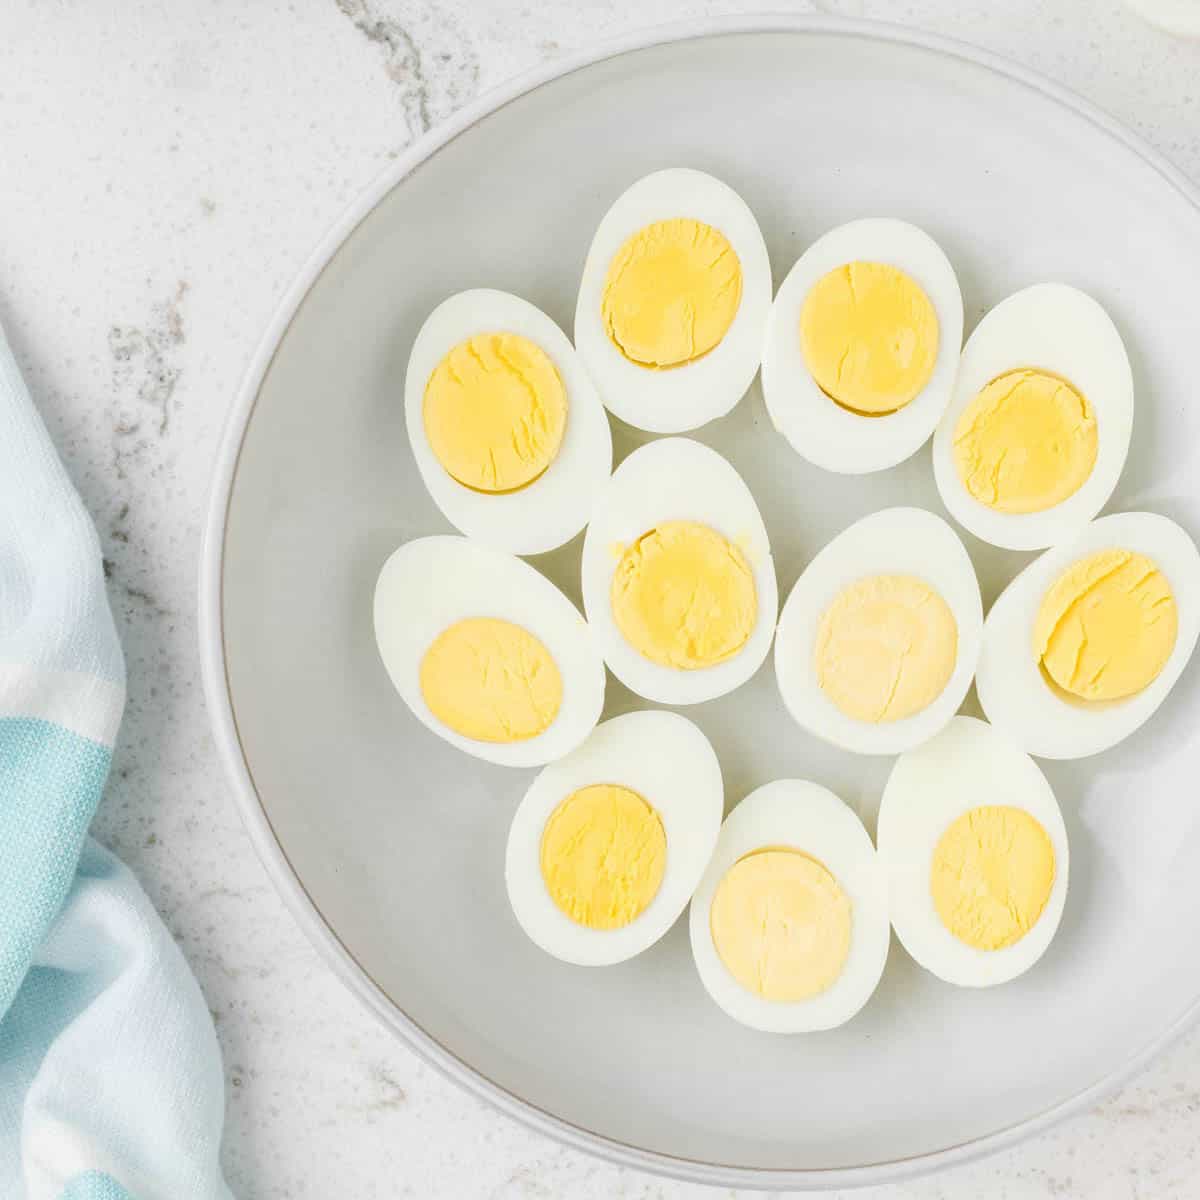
x,y
167,169
427,56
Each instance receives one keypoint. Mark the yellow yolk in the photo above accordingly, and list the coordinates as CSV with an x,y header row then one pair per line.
x,y
603,855
491,680
781,923
869,336
671,292
495,411
683,596
1107,626
992,873
1026,442
886,647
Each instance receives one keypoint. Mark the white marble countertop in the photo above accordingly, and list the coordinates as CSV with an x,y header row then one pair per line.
x,y
165,168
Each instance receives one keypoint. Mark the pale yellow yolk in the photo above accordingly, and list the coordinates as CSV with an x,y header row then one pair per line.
x,y
491,680
992,873
495,411
1107,626
886,647
781,923
869,336
603,855
1026,442
683,596
671,292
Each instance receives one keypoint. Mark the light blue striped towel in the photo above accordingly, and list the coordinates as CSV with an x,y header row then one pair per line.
x,y
110,1076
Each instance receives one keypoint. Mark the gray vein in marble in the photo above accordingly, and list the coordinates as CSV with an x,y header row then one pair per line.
x,y
436,73
145,374
142,597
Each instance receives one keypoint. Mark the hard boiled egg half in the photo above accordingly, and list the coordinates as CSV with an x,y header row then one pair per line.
x,y
609,843
878,640
789,925
976,855
1036,435
673,301
487,652
678,579
506,427
862,346
1084,645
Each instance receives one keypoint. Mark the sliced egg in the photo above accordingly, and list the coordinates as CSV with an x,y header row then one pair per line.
x,y
1037,432
976,855
506,427
862,346
487,652
1085,643
878,640
673,302
609,843
789,925
678,579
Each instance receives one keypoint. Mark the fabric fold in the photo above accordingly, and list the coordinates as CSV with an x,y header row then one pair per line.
x,y
110,1076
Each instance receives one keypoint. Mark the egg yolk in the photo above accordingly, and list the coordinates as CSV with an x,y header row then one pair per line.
x,y
869,336
781,924
886,647
1026,442
495,411
603,856
1107,626
491,680
683,596
991,877
671,292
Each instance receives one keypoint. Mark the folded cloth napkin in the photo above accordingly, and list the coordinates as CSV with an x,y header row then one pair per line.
x,y
110,1075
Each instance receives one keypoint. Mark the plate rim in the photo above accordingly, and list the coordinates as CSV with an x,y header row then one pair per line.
x,y
210,624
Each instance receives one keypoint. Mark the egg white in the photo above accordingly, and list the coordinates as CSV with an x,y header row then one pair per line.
x,y
671,764
968,765
894,541
802,816
817,427
431,583
555,506
675,479
1014,692
1055,328
683,397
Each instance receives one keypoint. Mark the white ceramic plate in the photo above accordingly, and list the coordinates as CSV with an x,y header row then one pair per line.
x,y
389,845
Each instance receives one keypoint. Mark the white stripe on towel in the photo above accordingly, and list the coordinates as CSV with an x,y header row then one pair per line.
x,y
83,704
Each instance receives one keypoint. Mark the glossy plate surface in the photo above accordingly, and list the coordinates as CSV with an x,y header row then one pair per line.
x,y
389,845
